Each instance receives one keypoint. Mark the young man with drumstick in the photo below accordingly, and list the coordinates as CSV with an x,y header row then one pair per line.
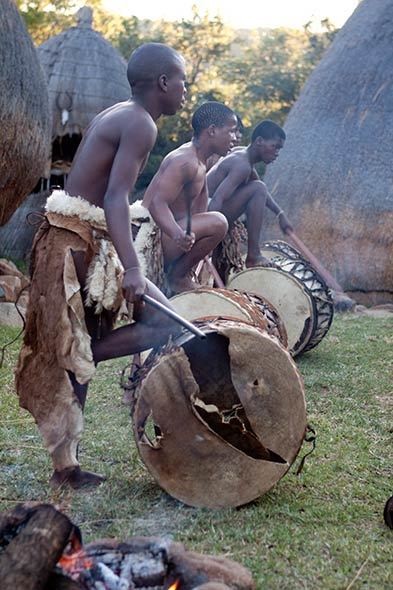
x,y
236,189
177,196
84,264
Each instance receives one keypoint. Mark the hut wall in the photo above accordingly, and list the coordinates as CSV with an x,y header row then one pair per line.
x,y
24,113
16,236
334,176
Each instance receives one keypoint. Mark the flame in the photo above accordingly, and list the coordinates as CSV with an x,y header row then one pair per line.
x,y
75,561
175,585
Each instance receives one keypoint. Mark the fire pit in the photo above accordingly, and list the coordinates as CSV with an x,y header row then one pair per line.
x,y
41,549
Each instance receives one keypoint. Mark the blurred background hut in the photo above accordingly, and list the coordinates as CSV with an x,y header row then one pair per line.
x,y
334,176
24,113
85,75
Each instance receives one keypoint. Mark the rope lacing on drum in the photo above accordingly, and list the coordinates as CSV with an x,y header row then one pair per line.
x,y
311,437
137,371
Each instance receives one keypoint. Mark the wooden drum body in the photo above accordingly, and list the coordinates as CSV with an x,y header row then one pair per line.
x,y
219,422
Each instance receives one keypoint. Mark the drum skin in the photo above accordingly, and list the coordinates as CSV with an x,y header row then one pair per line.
x,y
248,307
219,422
289,297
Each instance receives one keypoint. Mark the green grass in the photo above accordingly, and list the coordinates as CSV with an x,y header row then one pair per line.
x,y
320,530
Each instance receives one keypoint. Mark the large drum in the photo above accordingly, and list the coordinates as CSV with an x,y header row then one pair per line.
x,y
296,290
218,422
215,303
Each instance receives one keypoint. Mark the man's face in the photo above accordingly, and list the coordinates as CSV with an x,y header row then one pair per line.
x,y
176,88
225,136
269,149
239,136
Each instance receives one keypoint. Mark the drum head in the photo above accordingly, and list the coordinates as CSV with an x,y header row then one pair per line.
x,y
219,422
288,296
208,302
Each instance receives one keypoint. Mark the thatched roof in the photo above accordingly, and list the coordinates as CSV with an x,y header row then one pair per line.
x,y
24,113
335,176
85,75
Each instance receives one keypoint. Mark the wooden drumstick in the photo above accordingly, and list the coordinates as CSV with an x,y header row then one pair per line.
x,y
325,274
172,314
217,279
188,197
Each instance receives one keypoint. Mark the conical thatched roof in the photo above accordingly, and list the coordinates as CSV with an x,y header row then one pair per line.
x,y
24,112
85,75
335,176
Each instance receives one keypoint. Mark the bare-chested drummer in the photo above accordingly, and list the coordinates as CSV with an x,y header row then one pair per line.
x,y
181,183
236,189
85,265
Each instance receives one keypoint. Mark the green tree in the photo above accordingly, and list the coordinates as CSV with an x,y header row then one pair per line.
x,y
272,68
45,18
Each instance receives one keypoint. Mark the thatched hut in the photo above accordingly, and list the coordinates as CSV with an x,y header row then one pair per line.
x,y
334,176
85,75
24,113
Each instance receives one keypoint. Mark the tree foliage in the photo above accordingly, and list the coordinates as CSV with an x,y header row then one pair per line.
x,y
259,73
271,69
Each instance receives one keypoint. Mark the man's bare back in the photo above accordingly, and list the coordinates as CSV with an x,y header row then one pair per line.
x,y
91,171
237,160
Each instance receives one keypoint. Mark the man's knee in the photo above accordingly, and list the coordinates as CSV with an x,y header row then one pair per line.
x,y
260,188
218,224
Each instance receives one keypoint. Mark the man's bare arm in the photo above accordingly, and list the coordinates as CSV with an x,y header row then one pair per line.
x,y
202,201
131,153
174,181
272,205
228,186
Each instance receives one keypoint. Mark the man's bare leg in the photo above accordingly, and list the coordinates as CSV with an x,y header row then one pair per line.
x,y
250,199
152,328
209,229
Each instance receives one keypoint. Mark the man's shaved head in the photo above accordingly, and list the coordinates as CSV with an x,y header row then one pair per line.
x,y
149,61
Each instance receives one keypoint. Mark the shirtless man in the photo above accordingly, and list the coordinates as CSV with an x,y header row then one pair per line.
x,y
179,188
65,336
235,187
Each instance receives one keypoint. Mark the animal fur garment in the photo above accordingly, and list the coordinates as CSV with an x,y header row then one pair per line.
x,y
105,269
230,255
56,339
148,245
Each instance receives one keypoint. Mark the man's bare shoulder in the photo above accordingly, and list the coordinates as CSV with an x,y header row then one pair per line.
x,y
126,120
184,158
236,159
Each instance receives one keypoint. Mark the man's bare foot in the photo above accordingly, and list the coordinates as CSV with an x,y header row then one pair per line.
x,y
75,478
259,261
181,284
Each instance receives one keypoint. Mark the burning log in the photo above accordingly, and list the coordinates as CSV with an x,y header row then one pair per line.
x,y
40,549
32,539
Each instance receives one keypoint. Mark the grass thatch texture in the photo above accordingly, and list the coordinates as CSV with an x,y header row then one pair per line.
x,y
85,75
334,176
320,530
24,113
